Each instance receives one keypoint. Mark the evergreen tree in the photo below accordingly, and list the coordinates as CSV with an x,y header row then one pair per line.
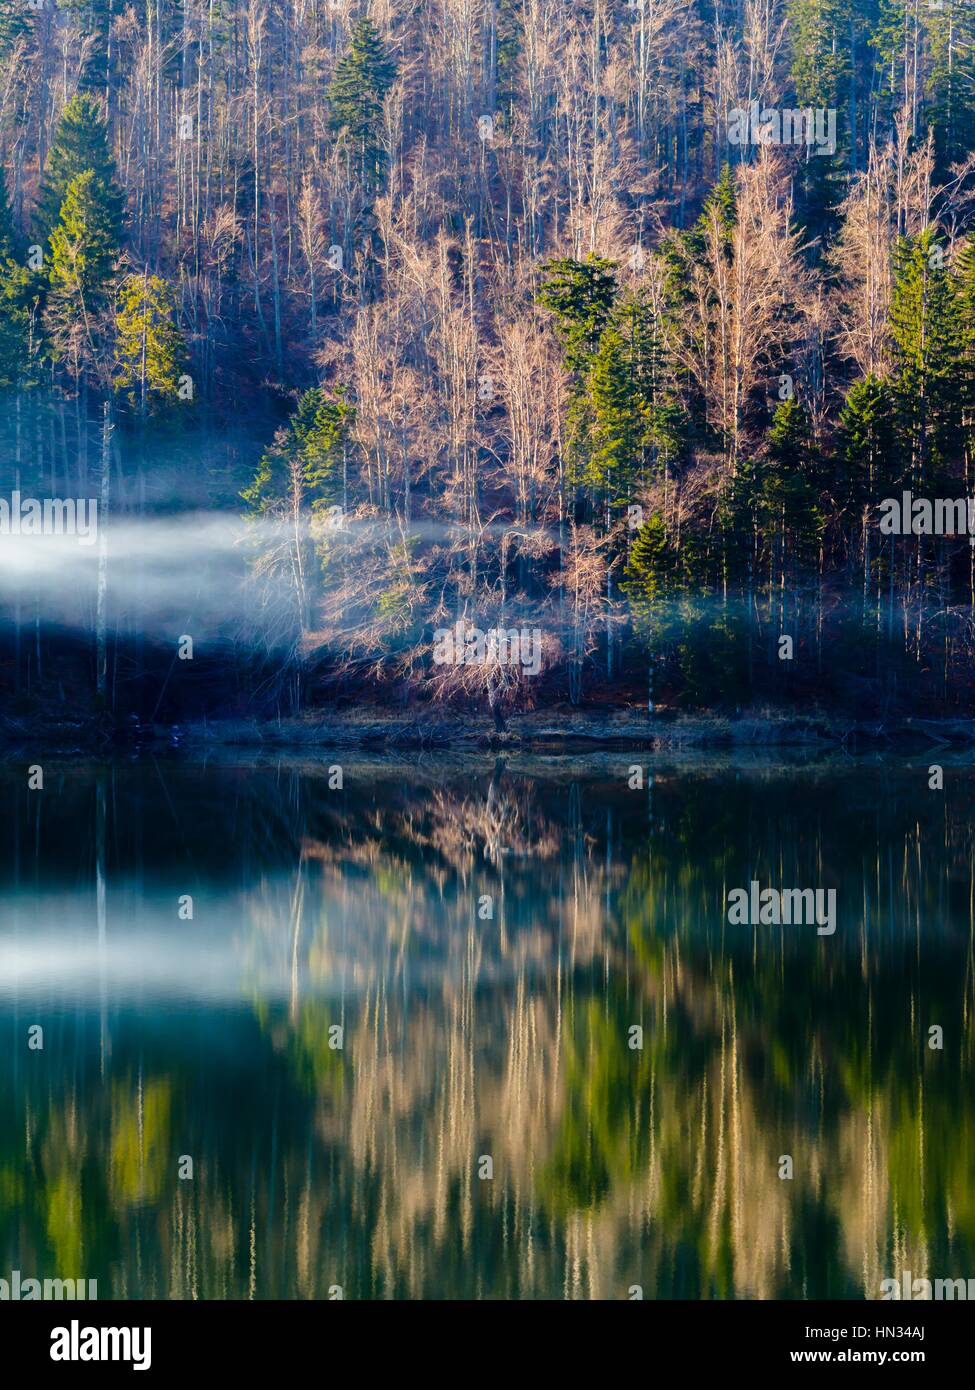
x,y
16,22
307,454
581,295
637,421
789,512
149,350
620,419
356,92
80,143
950,87
722,199
8,236
20,293
84,253
649,572
865,444
926,334
821,31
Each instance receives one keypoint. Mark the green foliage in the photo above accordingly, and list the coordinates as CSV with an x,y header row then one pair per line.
x,y
865,443
926,332
788,496
637,420
581,295
16,22
648,569
149,348
309,449
84,253
356,92
80,144
950,88
20,292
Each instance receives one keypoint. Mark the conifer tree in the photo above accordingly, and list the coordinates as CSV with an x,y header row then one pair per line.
x,y
581,295
80,143
84,253
950,87
356,92
865,444
20,293
788,490
308,453
926,335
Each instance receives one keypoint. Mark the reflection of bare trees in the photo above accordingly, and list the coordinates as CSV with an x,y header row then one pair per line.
x,y
508,1037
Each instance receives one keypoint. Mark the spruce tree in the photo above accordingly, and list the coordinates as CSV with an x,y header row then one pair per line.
x,y
581,295
925,329
789,492
80,143
20,292
866,468
16,22
950,86
84,253
356,92
820,31
311,449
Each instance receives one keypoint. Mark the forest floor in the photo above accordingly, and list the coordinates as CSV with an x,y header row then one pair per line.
x,y
562,729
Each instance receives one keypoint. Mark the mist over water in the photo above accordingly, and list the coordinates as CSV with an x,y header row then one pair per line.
x,y
164,573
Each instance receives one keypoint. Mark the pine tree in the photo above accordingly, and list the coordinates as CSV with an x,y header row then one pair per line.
x,y
926,334
307,453
950,87
84,253
149,351
356,93
865,444
80,143
8,236
581,295
20,292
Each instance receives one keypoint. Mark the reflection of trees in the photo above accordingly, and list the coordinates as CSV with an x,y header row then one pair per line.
x,y
509,1037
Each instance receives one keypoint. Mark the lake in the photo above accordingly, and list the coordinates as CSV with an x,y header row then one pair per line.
x,y
452,1027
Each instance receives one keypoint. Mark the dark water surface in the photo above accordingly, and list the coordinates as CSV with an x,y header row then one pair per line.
x,y
468,1037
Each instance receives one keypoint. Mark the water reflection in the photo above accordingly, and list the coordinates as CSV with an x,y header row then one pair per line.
x,y
485,937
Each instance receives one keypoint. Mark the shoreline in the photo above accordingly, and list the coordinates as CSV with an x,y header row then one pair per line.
x,y
564,731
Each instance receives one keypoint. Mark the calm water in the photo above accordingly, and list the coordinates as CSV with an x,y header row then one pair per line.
x,y
467,1036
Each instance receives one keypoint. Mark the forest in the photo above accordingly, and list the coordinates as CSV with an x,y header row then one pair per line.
x,y
613,323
